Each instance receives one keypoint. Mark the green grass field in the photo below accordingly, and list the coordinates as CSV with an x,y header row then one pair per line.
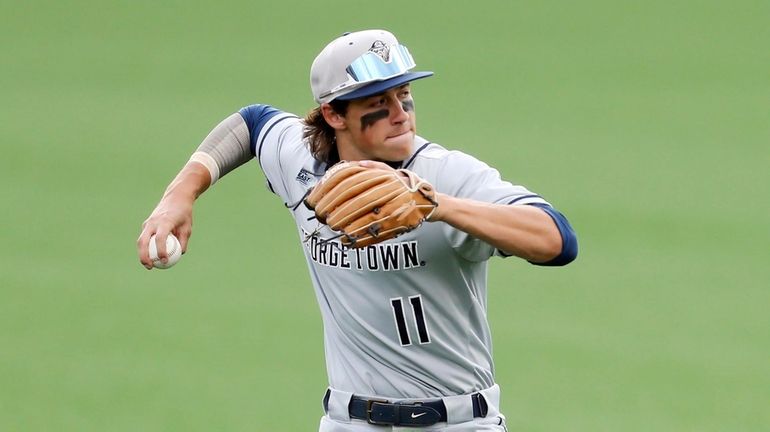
x,y
647,124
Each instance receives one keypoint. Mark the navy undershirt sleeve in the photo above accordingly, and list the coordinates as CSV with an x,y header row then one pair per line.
x,y
256,116
569,243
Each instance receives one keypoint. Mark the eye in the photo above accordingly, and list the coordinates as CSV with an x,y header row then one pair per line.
x,y
378,102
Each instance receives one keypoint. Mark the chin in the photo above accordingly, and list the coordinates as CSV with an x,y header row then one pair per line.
x,y
401,144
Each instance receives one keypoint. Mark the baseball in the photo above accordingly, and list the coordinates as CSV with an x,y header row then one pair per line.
x,y
173,249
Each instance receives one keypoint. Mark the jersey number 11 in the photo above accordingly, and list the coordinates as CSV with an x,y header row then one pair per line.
x,y
419,320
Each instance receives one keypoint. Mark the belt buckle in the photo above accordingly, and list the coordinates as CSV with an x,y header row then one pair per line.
x,y
369,420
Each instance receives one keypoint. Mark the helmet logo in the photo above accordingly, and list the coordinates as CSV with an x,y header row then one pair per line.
x,y
382,50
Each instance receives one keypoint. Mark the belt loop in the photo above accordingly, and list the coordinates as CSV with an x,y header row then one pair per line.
x,y
338,404
459,409
492,397
480,406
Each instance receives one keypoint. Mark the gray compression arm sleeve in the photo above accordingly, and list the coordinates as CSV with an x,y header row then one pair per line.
x,y
225,148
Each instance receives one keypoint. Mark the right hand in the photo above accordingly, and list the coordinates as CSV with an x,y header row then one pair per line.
x,y
173,214
170,216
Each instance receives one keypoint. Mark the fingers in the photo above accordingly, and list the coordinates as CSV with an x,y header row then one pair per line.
x,y
161,230
143,245
160,237
160,244
183,234
143,248
374,164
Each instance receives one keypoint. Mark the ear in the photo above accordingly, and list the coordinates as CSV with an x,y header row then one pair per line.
x,y
333,118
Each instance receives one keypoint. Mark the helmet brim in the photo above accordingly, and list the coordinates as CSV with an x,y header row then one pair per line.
x,y
380,86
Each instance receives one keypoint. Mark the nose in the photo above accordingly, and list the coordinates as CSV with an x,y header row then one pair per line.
x,y
398,113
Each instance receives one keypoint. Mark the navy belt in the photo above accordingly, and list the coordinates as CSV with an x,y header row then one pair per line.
x,y
415,413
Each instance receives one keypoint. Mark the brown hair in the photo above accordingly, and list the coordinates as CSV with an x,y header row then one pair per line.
x,y
321,137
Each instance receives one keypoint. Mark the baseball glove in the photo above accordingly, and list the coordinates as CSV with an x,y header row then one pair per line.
x,y
371,205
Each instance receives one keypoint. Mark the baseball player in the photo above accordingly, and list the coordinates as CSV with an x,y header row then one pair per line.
x,y
406,336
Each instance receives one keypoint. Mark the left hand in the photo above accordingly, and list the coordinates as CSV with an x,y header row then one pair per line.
x,y
370,202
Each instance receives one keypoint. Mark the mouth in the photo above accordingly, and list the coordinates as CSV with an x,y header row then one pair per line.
x,y
399,135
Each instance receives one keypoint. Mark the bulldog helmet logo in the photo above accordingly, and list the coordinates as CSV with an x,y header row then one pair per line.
x,y
382,50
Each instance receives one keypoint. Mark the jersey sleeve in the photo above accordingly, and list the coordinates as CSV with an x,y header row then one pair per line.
x,y
464,176
275,138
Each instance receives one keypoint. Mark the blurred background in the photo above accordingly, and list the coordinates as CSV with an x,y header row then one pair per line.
x,y
646,123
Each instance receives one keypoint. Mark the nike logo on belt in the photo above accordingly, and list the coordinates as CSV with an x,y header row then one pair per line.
x,y
418,415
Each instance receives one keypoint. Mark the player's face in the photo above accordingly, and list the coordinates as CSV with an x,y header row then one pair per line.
x,y
380,127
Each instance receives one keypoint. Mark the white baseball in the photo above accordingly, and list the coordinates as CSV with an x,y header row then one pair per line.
x,y
173,250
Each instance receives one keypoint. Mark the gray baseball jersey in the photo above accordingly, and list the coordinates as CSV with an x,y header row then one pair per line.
x,y
406,318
